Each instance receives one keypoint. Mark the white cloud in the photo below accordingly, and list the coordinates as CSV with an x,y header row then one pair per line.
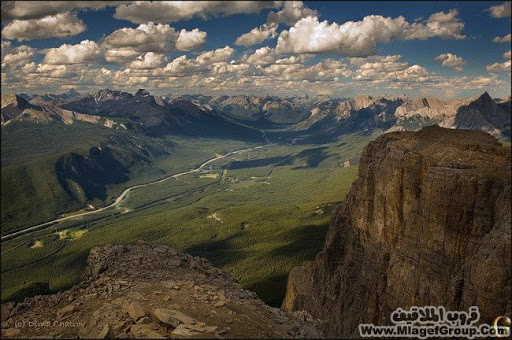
x,y
55,71
257,35
121,55
451,60
149,60
262,56
391,70
445,25
6,48
218,55
504,39
361,37
292,12
13,57
152,37
145,38
59,25
501,11
182,66
40,9
171,11
190,40
499,67
126,44
328,69
85,52
266,56
358,61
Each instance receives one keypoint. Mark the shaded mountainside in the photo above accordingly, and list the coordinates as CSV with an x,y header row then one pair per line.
x,y
147,291
158,117
86,177
362,113
264,111
45,174
428,222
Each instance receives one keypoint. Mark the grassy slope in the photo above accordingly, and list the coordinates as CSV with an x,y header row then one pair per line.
x,y
28,169
31,191
278,211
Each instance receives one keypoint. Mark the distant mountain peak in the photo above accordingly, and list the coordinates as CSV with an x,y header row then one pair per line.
x,y
484,97
107,94
14,100
142,93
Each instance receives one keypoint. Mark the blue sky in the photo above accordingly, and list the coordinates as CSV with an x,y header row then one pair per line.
x,y
444,49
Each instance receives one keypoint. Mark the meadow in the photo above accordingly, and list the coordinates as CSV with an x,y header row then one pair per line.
x,y
255,215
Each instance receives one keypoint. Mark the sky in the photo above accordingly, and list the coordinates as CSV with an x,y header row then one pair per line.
x,y
285,48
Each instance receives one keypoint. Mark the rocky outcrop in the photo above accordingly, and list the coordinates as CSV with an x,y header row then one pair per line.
x,y
145,291
427,222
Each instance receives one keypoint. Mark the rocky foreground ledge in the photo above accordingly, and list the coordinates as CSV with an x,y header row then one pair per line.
x,y
145,291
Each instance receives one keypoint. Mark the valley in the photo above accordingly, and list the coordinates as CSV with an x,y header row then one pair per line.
x,y
253,195
265,223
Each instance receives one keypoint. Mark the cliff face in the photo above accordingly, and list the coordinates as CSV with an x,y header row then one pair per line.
x,y
144,291
427,222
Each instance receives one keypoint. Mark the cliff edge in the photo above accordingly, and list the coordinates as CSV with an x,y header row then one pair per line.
x,y
428,222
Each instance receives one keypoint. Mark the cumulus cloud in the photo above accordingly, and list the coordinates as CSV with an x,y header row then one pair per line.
x,y
190,40
126,44
13,57
325,70
183,66
152,37
499,67
390,70
55,71
85,52
266,56
358,61
171,11
148,61
257,35
39,9
292,12
451,60
505,39
148,37
59,25
361,37
218,55
500,11
121,55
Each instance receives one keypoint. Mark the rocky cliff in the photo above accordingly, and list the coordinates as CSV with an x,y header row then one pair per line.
x,y
428,222
151,292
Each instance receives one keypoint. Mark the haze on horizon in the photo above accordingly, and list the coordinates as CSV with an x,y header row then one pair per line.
x,y
341,49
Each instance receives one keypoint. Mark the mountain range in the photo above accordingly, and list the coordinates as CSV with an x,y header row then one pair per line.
x,y
241,115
